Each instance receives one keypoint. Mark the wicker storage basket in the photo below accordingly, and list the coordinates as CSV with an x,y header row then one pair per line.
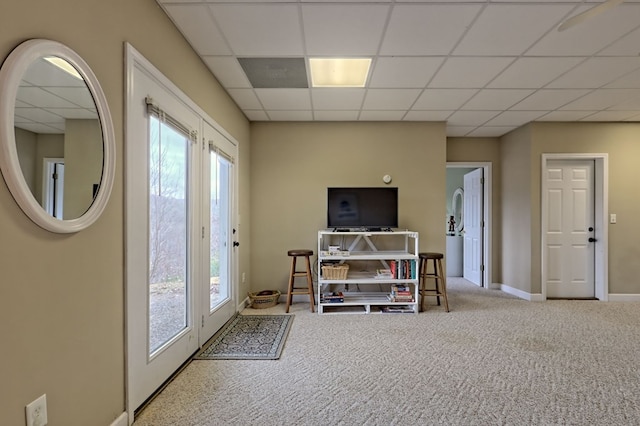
x,y
335,272
262,301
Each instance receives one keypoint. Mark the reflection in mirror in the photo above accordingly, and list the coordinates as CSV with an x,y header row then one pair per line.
x,y
58,137
457,207
57,146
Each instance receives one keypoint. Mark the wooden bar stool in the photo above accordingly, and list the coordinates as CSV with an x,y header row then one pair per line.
x,y
438,275
294,254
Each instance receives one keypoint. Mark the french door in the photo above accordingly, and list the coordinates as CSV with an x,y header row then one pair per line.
x,y
219,232
180,222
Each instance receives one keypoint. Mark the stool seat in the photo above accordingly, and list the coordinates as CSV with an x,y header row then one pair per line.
x,y
438,275
308,289
300,252
430,255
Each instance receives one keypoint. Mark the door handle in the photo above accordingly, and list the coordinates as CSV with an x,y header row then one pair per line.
x,y
592,240
236,244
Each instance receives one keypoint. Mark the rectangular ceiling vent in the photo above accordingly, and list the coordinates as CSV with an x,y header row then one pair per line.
x,y
275,73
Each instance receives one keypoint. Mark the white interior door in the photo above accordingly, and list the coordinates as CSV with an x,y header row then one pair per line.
x,y
568,252
473,227
220,233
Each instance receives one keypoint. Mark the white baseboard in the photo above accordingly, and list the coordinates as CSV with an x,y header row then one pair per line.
x,y
122,420
616,297
243,304
531,297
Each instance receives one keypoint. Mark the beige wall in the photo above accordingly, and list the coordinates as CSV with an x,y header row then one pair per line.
x,y
83,165
62,296
521,153
620,142
292,164
486,150
516,215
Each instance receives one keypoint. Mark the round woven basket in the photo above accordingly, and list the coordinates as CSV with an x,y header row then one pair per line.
x,y
261,300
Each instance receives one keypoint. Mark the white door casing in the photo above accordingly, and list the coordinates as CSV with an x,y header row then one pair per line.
x,y
570,217
473,227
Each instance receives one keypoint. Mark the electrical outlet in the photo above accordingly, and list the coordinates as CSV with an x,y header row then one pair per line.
x,y
37,412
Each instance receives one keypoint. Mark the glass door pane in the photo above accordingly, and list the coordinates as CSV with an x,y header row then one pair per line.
x,y
168,237
220,238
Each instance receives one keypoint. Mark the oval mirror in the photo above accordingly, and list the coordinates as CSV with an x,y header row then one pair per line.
x,y
57,147
457,207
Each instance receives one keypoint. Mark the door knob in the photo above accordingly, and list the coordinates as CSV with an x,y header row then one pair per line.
x,y
236,244
591,229
592,240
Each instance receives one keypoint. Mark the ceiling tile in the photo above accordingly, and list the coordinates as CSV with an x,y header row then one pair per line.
x,y
455,73
494,99
490,131
404,71
341,99
549,99
284,99
565,116
514,118
471,118
427,115
446,99
596,72
525,24
381,115
336,115
295,115
256,115
227,70
459,131
612,115
426,29
533,73
334,30
390,99
626,46
197,25
590,36
260,29
602,99
245,98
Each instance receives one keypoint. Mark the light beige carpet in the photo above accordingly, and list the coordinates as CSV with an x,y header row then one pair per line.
x,y
493,360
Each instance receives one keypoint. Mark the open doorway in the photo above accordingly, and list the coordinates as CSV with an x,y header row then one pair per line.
x,y
468,252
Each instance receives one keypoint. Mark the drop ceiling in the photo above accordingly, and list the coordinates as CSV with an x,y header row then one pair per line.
x,y
483,67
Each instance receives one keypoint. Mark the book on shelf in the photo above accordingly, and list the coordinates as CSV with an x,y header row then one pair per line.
x,y
403,269
332,297
397,309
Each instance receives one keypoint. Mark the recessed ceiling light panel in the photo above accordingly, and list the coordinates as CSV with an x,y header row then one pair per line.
x,y
339,72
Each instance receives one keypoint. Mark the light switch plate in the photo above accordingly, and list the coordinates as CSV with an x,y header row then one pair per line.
x,y
613,218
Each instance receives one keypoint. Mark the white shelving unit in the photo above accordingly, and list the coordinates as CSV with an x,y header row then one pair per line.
x,y
367,252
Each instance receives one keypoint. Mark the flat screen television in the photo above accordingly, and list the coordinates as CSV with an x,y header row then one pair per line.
x,y
368,208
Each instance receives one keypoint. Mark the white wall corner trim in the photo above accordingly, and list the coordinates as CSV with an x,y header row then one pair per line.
x,y
122,420
531,297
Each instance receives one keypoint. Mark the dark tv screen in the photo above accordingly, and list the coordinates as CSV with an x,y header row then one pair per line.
x,y
362,207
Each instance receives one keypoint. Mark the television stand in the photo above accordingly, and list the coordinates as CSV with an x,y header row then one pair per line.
x,y
373,272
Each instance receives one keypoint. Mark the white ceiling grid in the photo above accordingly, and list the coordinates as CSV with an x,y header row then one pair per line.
x,y
484,66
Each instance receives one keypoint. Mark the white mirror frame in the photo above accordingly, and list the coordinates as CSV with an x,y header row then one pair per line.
x,y
11,75
457,207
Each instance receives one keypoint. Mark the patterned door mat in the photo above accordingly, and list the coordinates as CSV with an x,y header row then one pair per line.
x,y
249,337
